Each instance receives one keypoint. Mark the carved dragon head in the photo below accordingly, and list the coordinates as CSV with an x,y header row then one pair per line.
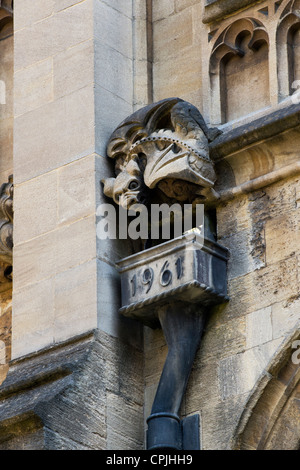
x,y
166,146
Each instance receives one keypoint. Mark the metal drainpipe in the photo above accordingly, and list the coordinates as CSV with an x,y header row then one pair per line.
x,y
183,333
174,286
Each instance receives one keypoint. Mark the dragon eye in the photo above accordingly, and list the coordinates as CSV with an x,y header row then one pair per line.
x,y
134,185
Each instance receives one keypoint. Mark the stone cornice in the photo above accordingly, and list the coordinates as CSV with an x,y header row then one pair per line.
x,y
217,9
262,128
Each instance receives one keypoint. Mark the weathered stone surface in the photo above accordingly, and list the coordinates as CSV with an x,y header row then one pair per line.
x,y
94,397
238,374
29,12
55,33
74,201
75,297
33,86
63,132
33,318
113,28
269,126
35,208
285,315
259,328
64,394
73,69
168,36
124,424
216,9
163,9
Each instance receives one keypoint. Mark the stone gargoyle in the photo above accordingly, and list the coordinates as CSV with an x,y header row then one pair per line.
x,y
161,154
6,230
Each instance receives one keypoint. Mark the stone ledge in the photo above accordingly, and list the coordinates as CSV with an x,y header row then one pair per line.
x,y
56,399
218,9
38,378
268,126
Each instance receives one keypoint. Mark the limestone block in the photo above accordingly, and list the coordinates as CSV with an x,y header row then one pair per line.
x,y
285,316
282,236
28,12
113,28
54,34
141,42
63,4
75,301
73,69
182,4
281,196
54,134
70,248
116,76
154,363
141,84
34,260
170,77
110,110
76,194
241,260
33,86
108,298
162,9
238,374
203,388
258,327
33,317
223,339
276,282
125,6
35,207
219,421
122,366
262,288
233,217
172,34
153,339
124,424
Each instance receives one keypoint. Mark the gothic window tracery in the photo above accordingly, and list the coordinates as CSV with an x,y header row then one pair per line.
x,y
239,69
255,59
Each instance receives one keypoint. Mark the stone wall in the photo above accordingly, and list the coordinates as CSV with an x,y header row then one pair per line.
x,y
76,76
81,376
259,226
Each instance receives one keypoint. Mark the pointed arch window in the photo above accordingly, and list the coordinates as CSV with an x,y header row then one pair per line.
x,y
239,71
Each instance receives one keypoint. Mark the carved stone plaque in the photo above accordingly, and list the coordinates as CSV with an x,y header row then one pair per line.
x,y
186,269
